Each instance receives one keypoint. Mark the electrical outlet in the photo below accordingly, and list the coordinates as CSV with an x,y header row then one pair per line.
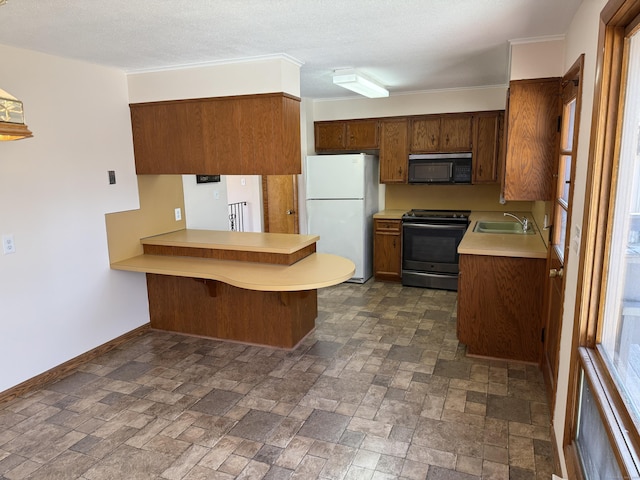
x,y
216,194
243,181
8,244
178,214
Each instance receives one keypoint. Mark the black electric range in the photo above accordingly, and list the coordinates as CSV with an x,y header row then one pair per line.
x,y
430,240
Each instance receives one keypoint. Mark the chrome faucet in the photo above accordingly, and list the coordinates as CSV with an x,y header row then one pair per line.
x,y
524,222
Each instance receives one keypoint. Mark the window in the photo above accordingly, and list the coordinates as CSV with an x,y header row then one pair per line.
x,y
620,335
602,434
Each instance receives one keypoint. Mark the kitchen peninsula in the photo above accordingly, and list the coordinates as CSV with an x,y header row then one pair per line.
x,y
258,288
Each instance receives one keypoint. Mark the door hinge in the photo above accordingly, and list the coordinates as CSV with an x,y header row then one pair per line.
x,y
542,336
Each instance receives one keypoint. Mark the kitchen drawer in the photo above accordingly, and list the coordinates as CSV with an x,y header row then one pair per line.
x,y
388,225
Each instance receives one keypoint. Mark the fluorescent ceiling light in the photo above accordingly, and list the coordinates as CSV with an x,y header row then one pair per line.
x,y
357,82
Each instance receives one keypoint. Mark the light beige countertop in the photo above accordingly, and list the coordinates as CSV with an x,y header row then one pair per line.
x,y
315,271
284,243
390,214
502,245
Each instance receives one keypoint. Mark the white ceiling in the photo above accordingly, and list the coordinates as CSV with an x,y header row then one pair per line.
x,y
408,45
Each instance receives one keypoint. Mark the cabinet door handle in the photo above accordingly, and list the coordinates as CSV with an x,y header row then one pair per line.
x,y
553,273
290,212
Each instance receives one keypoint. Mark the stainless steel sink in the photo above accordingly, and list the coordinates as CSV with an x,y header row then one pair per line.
x,y
509,228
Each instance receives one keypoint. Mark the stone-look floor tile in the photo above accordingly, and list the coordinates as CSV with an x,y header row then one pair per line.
x,y
508,408
24,470
129,462
366,459
496,471
414,470
294,453
381,389
325,426
254,471
234,464
470,465
521,453
185,462
309,467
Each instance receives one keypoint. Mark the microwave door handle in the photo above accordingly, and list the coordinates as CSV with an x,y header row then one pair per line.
x,y
451,171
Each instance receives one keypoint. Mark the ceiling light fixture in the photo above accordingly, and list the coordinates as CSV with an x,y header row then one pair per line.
x,y
357,82
12,125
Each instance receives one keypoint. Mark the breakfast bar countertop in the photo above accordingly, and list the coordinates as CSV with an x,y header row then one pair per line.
x,y
318,270
283,243
499,244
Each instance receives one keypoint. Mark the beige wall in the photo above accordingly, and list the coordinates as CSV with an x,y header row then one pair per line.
x,y
266,75
537,58
58,296
453,197
437,101
159,196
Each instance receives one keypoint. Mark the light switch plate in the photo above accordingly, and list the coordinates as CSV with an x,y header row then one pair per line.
x,y
178,214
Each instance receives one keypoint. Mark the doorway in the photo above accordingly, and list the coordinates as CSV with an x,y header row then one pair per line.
x,y
280,203
560,239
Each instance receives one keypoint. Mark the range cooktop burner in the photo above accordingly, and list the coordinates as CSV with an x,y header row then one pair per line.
x,y
437,215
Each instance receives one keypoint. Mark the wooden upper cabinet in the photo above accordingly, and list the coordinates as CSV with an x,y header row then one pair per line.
x,y
425,134
532,139
394,150
487,140
455,133
441,133
346,135
330,136
166,138
362,134
241,135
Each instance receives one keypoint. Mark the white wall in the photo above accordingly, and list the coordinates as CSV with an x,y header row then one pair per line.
x,y
247,188
205,204
58,296
582,37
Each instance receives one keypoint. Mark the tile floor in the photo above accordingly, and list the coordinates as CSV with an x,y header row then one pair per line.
x,y
380,390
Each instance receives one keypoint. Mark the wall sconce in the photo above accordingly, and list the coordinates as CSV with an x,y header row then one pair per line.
x,y
357,82
12,125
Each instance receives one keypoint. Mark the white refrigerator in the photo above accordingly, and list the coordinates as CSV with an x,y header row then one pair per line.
x,y
341,198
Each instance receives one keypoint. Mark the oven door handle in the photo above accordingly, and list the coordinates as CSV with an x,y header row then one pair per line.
x,y
434,226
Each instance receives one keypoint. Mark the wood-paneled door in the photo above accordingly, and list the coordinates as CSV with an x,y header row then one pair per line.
x,y
280,203
560,238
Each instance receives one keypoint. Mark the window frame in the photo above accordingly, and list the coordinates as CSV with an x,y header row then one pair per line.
x,y
618,20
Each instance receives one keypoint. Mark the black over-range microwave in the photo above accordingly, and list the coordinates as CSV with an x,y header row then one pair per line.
x,y
440,168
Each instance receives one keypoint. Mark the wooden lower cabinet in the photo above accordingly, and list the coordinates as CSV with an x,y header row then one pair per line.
x,y
387,250
500,303
214,309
